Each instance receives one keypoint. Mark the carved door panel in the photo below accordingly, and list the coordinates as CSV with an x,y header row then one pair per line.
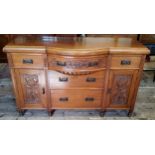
x,y
31,88
121,88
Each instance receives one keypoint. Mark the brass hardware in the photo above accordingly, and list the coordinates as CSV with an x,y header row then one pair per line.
x,y
63,79
87,99
125,62
89,79
27,61
59,63
92,64
63,99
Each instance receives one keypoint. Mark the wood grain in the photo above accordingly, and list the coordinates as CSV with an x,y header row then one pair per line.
x,y
76,64
76,46
76,73
121,87
32,88
125,62
28,60
62,81
66,99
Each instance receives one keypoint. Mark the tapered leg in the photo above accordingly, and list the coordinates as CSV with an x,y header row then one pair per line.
x,y
21,112
154,78
130,113
102,113
51,112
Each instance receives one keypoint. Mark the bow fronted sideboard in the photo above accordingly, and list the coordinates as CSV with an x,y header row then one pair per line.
x,y
75,72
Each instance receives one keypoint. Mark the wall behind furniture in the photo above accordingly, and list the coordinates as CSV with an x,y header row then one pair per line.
x,y
5,38
147,38
113,35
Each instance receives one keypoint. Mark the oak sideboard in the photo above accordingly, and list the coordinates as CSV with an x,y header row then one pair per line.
x,y
75,72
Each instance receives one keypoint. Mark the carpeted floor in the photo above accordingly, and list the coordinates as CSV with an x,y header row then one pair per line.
x,y
144,109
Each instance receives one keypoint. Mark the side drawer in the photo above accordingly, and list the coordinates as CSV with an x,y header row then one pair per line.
x,y
62,81
23,60
76,98
125,62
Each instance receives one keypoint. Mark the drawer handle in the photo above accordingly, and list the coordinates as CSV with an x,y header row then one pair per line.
x,y
59,63
92,64
63,79
125,62
91,79
63,99
88,99
27,61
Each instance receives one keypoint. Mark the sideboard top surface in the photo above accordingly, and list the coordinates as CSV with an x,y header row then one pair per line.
x,y
76,45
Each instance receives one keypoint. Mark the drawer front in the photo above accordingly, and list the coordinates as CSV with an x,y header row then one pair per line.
x,y
72,64
125,62
28,60
76,98
61,81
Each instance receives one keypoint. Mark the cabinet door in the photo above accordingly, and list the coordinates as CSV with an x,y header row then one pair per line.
x,y
31,88
121,88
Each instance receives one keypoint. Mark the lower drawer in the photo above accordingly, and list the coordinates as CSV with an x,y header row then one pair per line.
x,y
76,98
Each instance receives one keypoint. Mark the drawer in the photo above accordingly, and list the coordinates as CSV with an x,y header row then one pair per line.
x,y
75,98
28,60
76,64
62,81
125,62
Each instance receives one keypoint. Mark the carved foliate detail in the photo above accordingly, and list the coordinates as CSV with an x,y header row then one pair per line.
x,y
75,73
32,91
78,63
121,88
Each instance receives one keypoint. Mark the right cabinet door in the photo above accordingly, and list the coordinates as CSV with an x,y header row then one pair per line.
x,y
121,88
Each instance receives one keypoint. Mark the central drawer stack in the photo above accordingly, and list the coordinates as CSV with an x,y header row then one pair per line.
x,y
76,82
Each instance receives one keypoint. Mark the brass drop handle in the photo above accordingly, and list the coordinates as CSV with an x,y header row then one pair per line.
x,y
27,61
125,62
43,90
59,63
63,99
92,64
63,79
89,99
89,79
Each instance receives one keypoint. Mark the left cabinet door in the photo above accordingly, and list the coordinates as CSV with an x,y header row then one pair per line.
x,y
31,85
